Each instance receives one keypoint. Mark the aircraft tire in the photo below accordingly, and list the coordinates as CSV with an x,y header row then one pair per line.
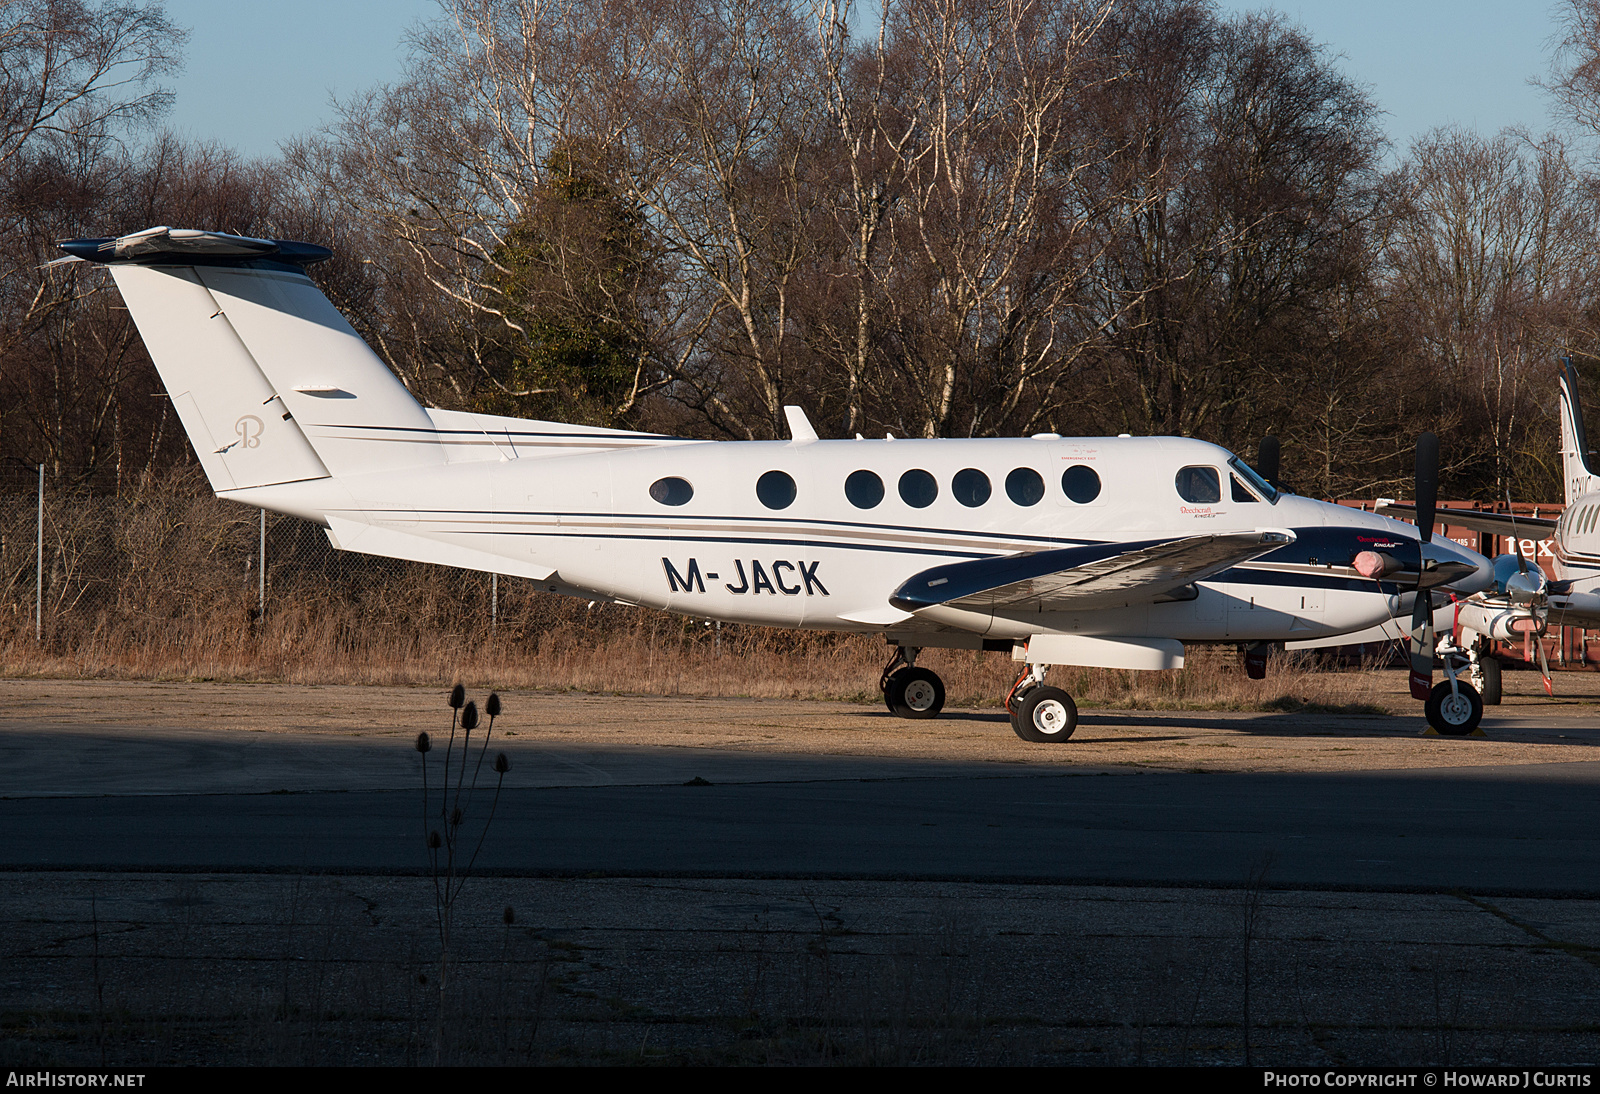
x,y
1045,715
914,693
1454,715
1491,680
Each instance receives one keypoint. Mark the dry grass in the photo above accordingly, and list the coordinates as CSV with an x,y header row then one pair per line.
x,y
160,584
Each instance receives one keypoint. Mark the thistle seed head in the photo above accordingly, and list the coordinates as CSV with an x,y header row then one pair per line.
x,y
508,916
458,696
491,705
502,762
456,817
469,717
423,744
434,842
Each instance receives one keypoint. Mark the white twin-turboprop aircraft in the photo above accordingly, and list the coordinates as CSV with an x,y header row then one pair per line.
x,y
1107,551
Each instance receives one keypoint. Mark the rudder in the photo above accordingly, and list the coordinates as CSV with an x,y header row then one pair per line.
x,y
1578,475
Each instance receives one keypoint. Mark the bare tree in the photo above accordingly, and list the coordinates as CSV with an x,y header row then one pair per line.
x,y
73,71
1490,261
1257,160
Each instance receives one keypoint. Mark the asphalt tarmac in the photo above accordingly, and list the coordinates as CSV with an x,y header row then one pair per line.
x,y
179,798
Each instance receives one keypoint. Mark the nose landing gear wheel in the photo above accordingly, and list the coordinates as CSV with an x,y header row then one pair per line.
x,y
1045,714
914,693
1454,713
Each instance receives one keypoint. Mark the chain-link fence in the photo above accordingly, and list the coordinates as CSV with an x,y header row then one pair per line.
x,y
158,558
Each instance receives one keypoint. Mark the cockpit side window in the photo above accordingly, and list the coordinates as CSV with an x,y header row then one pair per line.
x,y
1199,485
1254,482
1239,491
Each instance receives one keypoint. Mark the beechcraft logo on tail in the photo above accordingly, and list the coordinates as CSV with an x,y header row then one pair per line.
x,y
249,429
781,576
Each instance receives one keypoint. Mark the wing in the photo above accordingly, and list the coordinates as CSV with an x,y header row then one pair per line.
x,y
1498,524
1100,575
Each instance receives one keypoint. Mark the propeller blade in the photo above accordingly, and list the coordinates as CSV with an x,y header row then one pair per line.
x,y
1427,483
1544,667
1516,538
1267,458
1422,645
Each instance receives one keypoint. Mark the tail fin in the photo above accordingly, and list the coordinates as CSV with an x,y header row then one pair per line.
x,y
270,381
1578,473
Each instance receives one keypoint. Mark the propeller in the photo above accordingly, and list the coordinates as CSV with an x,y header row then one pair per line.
x,y
1268,457
1422,610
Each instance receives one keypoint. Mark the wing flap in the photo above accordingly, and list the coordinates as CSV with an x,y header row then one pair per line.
x,y
1099,575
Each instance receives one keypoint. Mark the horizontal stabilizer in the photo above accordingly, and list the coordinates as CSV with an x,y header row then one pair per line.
x,y
1099,575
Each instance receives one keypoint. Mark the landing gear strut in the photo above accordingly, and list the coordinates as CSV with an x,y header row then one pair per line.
x,y
1040,714
910,692
1454,707
1485,673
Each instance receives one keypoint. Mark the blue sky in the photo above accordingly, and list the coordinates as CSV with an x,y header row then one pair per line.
x,y
260,73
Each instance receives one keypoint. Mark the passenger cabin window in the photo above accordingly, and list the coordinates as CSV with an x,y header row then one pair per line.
x,y
1025,486
1239,491
1199,485
1081,483
864,489
918,488
776,490
671,491
971,487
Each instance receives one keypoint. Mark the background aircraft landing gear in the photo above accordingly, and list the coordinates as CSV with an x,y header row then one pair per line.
x,y
1486,676
1040,714
1454,713
910,692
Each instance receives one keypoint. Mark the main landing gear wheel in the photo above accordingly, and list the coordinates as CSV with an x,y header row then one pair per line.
x,y
911,692
1045,714
1454,713
1490,668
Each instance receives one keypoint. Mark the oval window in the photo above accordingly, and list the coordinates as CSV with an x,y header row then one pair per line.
x,y
918,488
864,489
1081,483
1199,485
775,489
971,487
671,491
1025,486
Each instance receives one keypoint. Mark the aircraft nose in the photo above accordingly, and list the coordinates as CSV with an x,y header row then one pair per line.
x,y
1440,549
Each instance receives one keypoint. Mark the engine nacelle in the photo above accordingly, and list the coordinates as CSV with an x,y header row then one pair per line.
x,y
1499,619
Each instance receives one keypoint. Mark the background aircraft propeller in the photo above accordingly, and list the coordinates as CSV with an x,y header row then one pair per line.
x,y
1535,589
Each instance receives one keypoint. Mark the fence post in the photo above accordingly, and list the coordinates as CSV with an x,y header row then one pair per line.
x,y
38,573
261,574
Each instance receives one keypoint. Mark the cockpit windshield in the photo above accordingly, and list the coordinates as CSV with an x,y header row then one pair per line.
x,y
1254,481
